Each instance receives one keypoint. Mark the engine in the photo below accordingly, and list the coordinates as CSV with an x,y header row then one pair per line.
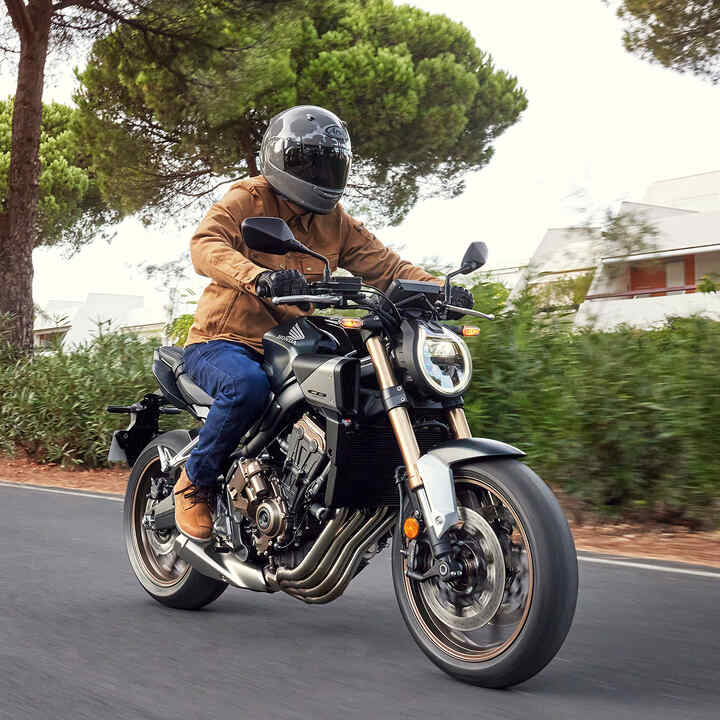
x,y
275,498
305,456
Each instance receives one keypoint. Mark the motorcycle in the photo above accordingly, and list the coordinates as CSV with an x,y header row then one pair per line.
x,y
363,442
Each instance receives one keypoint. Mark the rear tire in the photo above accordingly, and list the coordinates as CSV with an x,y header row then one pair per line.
x,y
538,623
171,582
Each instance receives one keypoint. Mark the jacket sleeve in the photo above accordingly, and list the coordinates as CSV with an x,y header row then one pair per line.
x,y
364,255
213,247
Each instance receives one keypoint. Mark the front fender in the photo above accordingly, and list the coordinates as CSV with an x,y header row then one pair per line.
x,y
454,452
437,496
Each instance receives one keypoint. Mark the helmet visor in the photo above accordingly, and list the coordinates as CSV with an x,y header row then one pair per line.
x,y
326,166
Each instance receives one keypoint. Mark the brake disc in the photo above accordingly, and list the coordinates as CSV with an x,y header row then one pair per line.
x,y
472,601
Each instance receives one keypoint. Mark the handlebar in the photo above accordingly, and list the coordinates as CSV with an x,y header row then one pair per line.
x,y
347,291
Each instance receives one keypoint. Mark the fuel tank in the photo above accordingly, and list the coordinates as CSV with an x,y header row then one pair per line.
x,y
285,342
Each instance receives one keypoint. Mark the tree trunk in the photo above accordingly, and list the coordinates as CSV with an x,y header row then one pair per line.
x,y
16,246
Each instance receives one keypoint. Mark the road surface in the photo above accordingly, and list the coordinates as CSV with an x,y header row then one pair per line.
x,y
80,639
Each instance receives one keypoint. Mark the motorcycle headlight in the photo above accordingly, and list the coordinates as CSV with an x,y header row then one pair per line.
x,y
443,361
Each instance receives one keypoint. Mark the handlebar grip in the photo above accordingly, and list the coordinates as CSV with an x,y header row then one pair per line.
x,y
261,289
270,280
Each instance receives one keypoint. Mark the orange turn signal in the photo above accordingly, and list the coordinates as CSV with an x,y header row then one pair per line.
x,y
411,528
351,323
469,331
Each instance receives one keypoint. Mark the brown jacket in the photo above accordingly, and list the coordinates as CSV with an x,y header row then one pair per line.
x,y
229,308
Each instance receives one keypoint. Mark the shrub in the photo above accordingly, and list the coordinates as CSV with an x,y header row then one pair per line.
x,y
53,405
626,421
179,328
8,352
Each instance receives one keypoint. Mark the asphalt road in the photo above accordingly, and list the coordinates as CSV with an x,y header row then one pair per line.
x,y
80,639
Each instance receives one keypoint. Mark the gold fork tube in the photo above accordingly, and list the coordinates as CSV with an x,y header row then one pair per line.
x,y
458,423
399,418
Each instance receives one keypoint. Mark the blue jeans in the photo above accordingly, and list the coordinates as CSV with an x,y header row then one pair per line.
x,y
233,375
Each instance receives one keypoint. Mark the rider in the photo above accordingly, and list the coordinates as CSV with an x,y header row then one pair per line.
x,y
304,159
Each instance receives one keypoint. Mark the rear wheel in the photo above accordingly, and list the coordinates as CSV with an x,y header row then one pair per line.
x,y
161,572
507,615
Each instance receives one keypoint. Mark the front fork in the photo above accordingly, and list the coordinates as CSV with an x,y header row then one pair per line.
x,y
435,498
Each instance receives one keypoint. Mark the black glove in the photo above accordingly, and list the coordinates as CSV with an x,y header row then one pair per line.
x,y
278,283
460,297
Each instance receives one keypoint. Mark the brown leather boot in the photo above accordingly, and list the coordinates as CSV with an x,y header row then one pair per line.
x,y
192,513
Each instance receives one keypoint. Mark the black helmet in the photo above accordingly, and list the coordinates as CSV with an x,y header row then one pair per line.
x,y
305,156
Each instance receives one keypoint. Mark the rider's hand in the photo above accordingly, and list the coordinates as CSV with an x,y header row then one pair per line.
x,y
278,283
459,297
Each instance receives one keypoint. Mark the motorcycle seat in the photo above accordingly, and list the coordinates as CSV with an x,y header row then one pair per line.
x,y
173,357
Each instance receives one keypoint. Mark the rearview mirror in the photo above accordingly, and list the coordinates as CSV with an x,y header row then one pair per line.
x,y
475,257
270,235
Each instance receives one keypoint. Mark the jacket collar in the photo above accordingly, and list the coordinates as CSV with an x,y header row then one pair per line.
x,y
289,215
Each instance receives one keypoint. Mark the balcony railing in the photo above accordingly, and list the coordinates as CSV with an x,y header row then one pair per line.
x,y
643,293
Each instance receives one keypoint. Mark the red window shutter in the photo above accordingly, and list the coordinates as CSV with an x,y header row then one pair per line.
x,y
689,271
647,277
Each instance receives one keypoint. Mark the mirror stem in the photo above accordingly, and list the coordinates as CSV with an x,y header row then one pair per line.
x,y
459,271
327,276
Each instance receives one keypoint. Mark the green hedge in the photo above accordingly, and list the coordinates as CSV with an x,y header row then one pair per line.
x,y
53,406
626,421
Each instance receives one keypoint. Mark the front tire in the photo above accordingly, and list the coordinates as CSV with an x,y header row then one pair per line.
x,y
508,616
162,574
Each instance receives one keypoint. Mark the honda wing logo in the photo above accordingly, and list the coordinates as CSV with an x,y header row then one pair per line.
x,y
295,334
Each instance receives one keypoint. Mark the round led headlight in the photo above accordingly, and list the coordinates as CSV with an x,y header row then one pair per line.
x,y
443,361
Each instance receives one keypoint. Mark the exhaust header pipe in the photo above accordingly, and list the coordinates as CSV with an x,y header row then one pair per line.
x,y
324,572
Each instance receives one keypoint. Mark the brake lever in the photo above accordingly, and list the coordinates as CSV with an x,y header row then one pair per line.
x,y
467,311
317,299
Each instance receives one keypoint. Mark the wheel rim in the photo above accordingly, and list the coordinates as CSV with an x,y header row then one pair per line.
x,y
154,550
479,616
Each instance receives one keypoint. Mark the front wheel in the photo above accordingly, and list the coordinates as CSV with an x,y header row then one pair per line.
x,y
507,615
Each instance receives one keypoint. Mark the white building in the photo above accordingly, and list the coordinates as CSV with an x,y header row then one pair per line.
x,y
562,253
700,193
643,289
75,323
507,276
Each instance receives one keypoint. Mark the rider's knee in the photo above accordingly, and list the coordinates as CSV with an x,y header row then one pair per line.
x,y
258,388
249,390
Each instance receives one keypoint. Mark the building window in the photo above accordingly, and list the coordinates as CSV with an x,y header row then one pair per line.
x,y
675,276
48,338
655,277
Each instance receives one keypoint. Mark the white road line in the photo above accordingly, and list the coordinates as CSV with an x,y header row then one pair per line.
x,y
582,558
61,492
644,566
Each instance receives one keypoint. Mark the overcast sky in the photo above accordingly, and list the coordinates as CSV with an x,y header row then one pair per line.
x,y
600,122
